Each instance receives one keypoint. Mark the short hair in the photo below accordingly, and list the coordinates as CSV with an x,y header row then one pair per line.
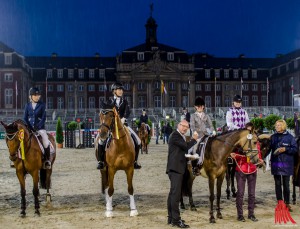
x,y
282,122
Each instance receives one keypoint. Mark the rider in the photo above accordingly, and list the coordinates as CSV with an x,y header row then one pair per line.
x,y
144,119
123,110
35,117
236,117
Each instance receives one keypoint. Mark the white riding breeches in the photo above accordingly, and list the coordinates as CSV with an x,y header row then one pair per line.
x,y
45,140
135,135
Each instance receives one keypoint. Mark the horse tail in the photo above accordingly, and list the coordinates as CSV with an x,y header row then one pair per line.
x,y
43,178
187,183
104,179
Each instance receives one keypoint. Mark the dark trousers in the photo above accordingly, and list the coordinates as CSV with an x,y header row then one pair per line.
x,y
174,196
241,179
282,181
157,137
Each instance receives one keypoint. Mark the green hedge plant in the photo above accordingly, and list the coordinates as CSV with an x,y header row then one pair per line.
x,y
59,132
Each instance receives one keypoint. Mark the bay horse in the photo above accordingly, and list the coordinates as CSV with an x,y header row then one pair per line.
x,y
214,166
120,155
22,141
143,135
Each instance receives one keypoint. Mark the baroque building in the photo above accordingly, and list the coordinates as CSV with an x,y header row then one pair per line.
x,y
154,75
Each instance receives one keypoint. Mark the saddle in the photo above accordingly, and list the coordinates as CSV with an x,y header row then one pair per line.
x,y
197,164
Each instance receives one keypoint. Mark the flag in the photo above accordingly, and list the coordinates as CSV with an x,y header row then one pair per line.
x,y
16,88
163,88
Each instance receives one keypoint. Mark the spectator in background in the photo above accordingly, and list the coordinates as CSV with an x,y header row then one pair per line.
x,y
157,132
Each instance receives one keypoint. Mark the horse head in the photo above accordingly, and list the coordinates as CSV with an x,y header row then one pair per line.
x,y
15,134
109,119
265,144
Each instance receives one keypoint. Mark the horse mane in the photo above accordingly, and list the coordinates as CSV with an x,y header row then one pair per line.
x,y
22,123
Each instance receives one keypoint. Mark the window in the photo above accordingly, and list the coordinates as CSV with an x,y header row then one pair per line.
x,y
91,102
50,103
91,87
60,103
184,86
185,102
8,77
198,87
254,100
71,102
172,101
264,100
245,101
128,98
60,73
245,87
172,86
254,87
263,87
218,101
237,87
101,99
207,73
80,73
70,87
142,101
170,56
227,101
102,87
207,100
157,101
49,73
227,87
101,73
81,87
226,73
207,87
141,86
81,104
60,88
91,73
8,98
218,87
157,85
140,56
7,58
245,73
50,87
254,73
126,86
235,73
217,73
70,73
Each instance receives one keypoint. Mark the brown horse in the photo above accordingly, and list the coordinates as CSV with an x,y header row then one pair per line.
x,y
120,155
143,135
18,137
214,166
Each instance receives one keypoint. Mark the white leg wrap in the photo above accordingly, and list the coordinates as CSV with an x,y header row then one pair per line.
x,y
133,211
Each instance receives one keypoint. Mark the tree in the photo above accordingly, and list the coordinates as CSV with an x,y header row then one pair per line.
x,y
59,132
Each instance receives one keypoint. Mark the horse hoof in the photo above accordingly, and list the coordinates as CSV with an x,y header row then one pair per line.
x,y
48,198
193,208
37,212
182,206
134,213
234,195
212,220
22,214
109,214
219,216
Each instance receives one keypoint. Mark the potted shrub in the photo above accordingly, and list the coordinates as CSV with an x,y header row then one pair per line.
x,y
72,125
59,134
269,121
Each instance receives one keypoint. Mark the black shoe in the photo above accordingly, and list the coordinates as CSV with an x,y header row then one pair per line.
x,y
136,165
100,165
253,218
180,224
47,164
170,220
241,218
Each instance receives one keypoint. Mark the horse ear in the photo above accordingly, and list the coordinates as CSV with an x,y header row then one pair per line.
x,y
3,124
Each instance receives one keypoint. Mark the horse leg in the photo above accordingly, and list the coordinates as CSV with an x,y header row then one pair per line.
x,y
191,201
294,193
219,187
182,206
129,173
211,182
48,184
228,181
35,191
109,192
21,178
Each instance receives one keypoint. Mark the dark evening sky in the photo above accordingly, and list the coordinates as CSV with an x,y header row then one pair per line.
x,y
223,28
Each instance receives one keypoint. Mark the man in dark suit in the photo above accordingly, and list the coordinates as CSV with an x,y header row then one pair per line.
x,y
176,166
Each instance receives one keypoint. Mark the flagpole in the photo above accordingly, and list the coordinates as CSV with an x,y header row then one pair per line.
x,y
267,92
16,97
242,87
215,97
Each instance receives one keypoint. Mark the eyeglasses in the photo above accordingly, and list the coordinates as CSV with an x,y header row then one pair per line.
x,y
184,125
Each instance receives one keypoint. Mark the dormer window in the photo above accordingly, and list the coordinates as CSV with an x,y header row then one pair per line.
x,y
170,56
140,56
154,48
7,59
49,73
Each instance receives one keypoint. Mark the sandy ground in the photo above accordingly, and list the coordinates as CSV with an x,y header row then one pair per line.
x,y
77,201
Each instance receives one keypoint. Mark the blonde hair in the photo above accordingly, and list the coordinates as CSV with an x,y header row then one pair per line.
x,y
284,126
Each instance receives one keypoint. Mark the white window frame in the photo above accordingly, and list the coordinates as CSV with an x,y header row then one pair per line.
x,y
207,73
207,87
7,58
60,88
91,73
81,73
170,56
91,87
49,73
60,73
254,87
8,77
70,73
140,56
217,73
235,73
226,74
198,87
101,73
245,73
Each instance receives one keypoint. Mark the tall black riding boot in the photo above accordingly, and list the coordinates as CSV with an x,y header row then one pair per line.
x,y
47,163
101,153
137,151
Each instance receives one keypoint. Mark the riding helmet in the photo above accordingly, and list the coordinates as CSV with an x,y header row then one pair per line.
x,y
117,85
237,98
34,91
199,102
